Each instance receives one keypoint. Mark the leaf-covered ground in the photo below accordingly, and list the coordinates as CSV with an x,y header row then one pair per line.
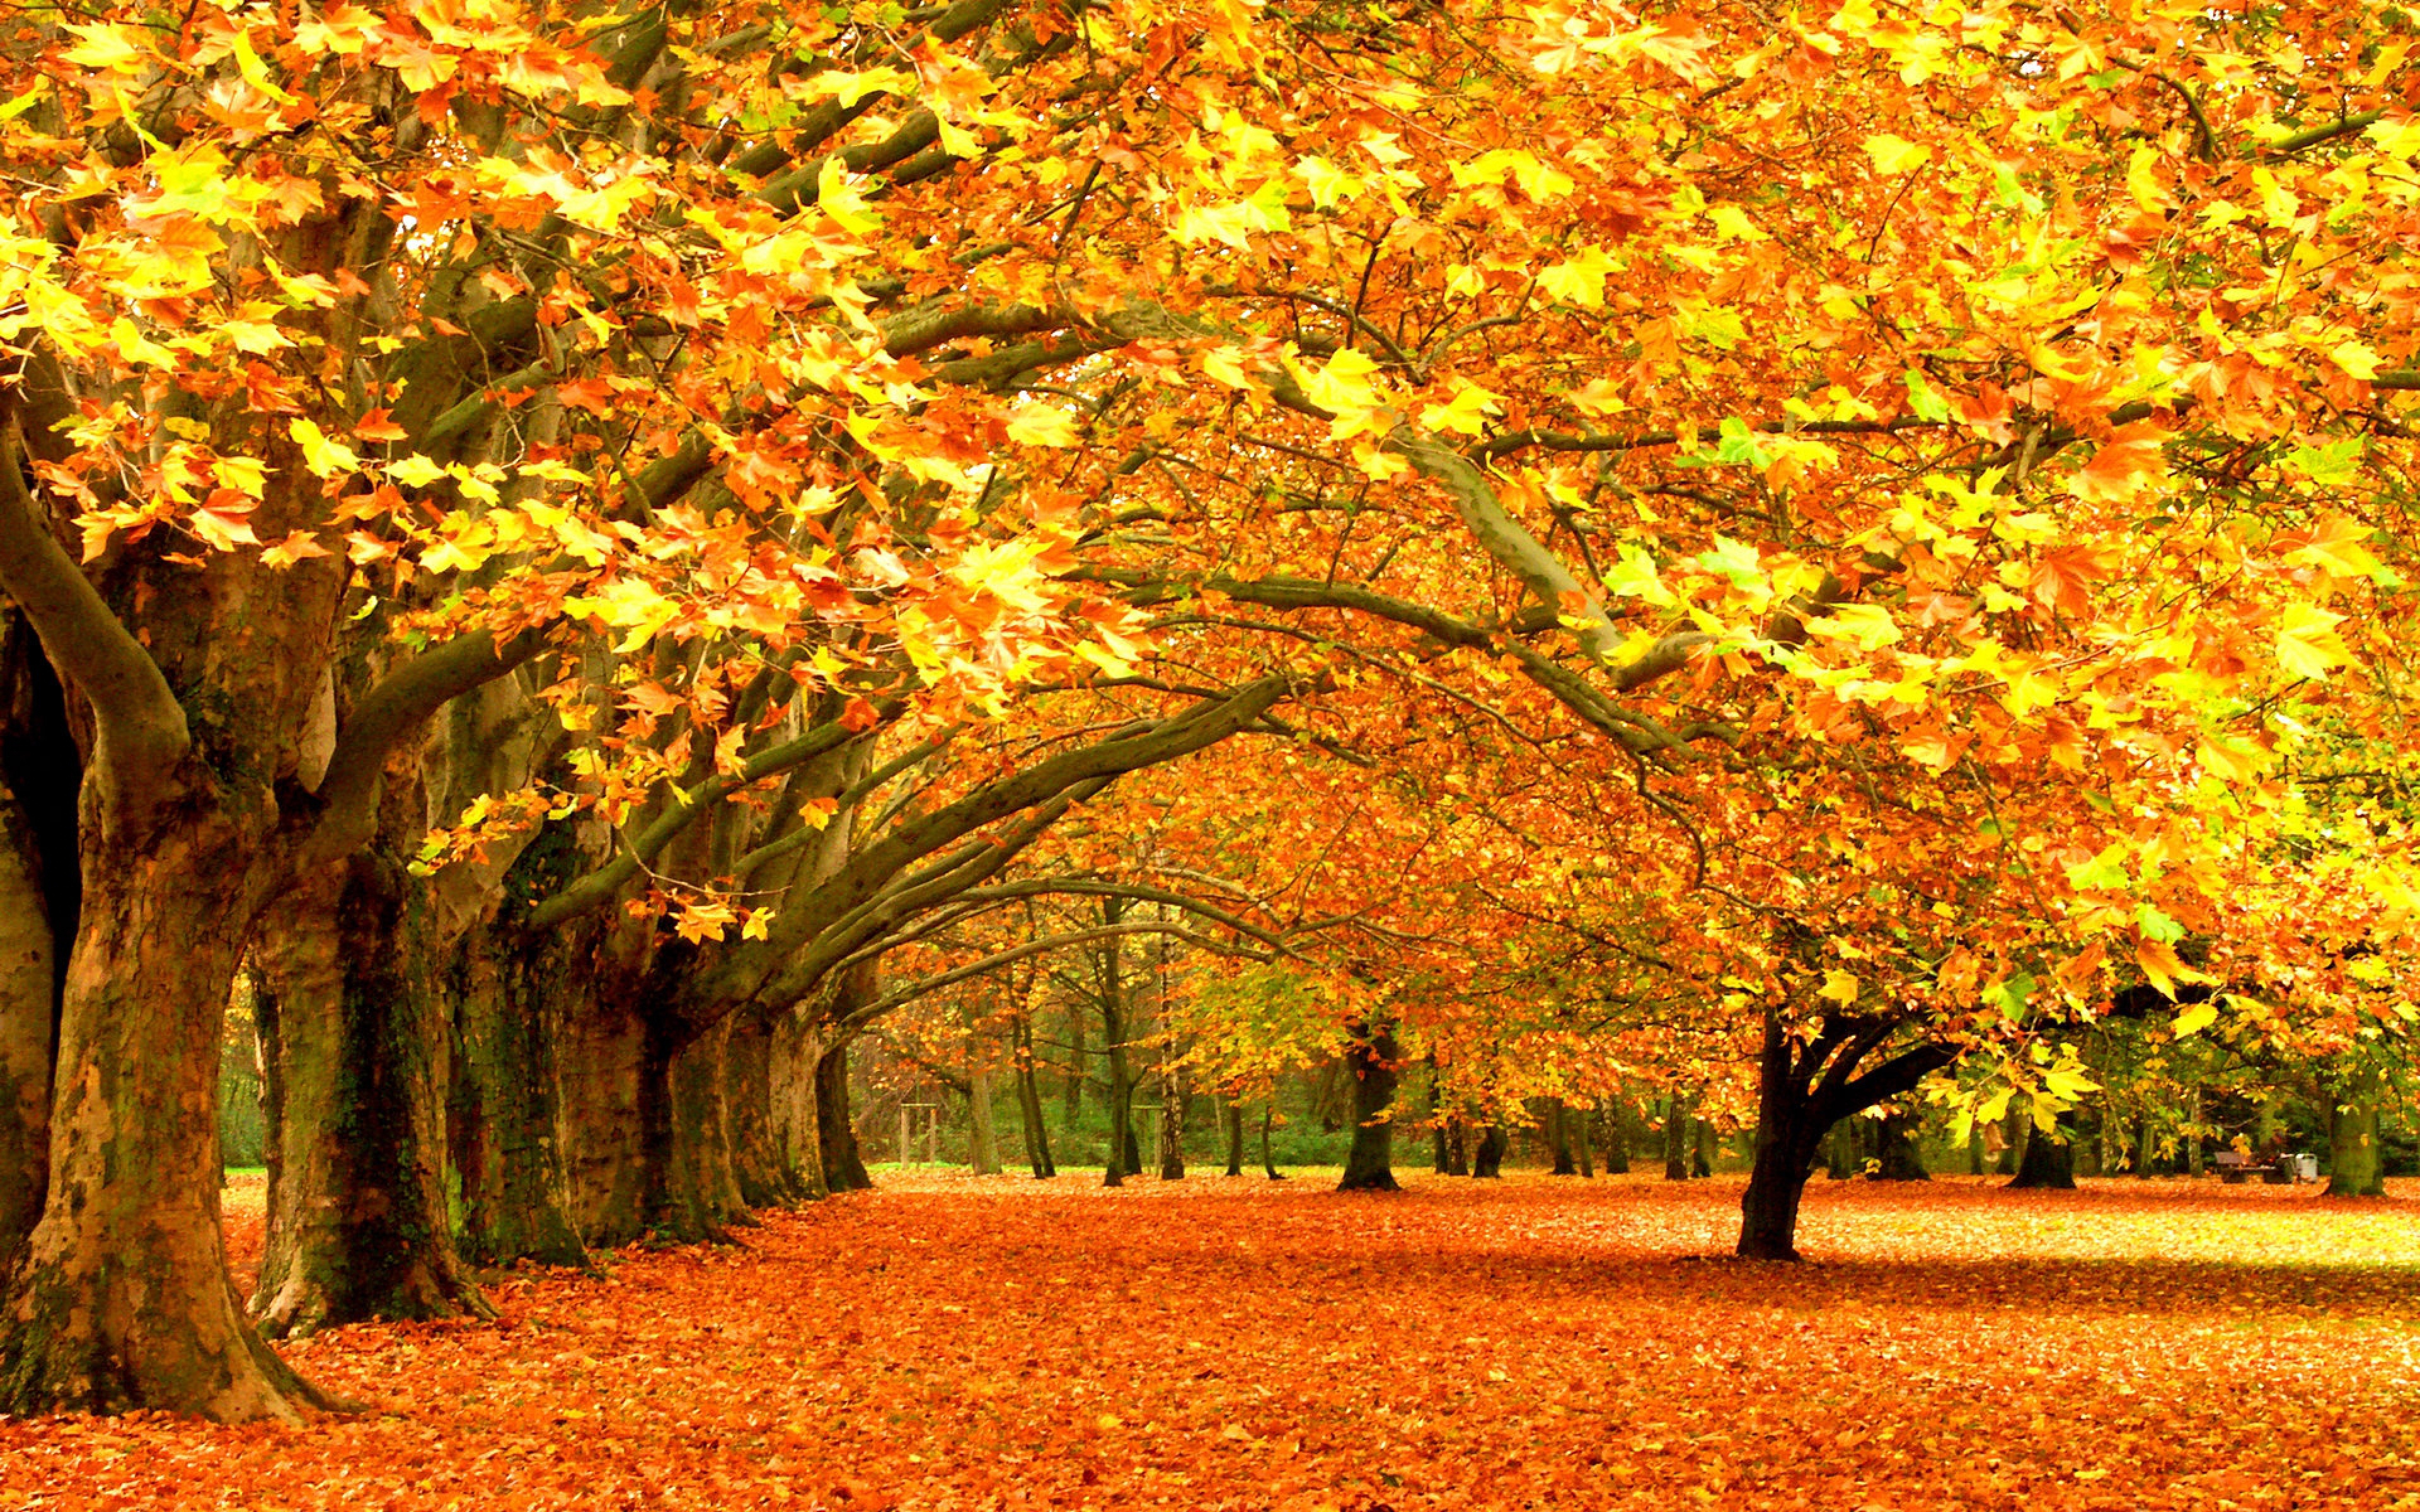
x,y
950,1342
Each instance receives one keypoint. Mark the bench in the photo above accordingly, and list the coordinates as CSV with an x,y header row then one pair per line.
x,y
2235,1167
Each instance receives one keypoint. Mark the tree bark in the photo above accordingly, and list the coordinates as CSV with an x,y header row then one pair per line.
x,y
689,1188
1553,1122
1125,1154
27,1008
351,1027
844,1166
1230,1126
1029,1103
1487,1160
1457,1148
121,1297
764,1175
1269,1163
512,996
1676,1136
1373,1059
2355,1167
1617,1123
2048,1162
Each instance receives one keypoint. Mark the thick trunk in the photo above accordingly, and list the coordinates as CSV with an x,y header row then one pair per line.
x,y
2050,1160
798,1051
504,1108
1580,1133
1171,1127
2354,1166
352,1035
1457,1148
1789,1132
1369,1167
756,1159
1899,1159
27,1008
121,1297
690,1189
1268,1161
844,1166
41,774
1231,1124
1701,1160
1487,1160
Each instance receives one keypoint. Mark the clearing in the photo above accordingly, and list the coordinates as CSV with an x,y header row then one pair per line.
x,y
955,1342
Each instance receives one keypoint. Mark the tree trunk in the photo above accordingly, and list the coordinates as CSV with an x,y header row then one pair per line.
x,y
1029,1103
1487,1160
121,1299
763,1178
1840,1161
1230,1125
983,1140
1457,1148
1171,1126
1701,1160
1269,1163
1583,1126
352,1033
2193,1132
28,1007
1553,1123
1619,1123
2017,1129
690,1189
41,774
1125,1154
1077,1069
1676,1137
844,1166
1790,1124
503,1108
1899,1160
1371,1058
2355,1169
2049,1160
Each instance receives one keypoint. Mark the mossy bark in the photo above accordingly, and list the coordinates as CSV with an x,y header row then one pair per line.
x,y
121,1299
512,998
764,1177
1373,1061
2355,1167
27,1009
843,1164
352,1031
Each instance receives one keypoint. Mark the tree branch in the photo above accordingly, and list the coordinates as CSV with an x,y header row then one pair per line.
x,y
142,726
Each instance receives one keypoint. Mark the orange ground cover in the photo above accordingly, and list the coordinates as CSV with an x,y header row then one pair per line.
x,y
950,1342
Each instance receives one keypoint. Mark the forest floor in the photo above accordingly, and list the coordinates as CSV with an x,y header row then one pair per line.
x,y
955,1342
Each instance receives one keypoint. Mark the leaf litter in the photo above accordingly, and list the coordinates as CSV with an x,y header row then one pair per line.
x,y
954,1342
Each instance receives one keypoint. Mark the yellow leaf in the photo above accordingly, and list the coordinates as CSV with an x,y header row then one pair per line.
x,y
2195,1019
2356,357
1579,279
2162,967
841,202
1838,987
105,49
325,458
1041,424
1895,155
2307,643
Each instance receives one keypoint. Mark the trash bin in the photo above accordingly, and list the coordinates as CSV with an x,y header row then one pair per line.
x,y
2306,1167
